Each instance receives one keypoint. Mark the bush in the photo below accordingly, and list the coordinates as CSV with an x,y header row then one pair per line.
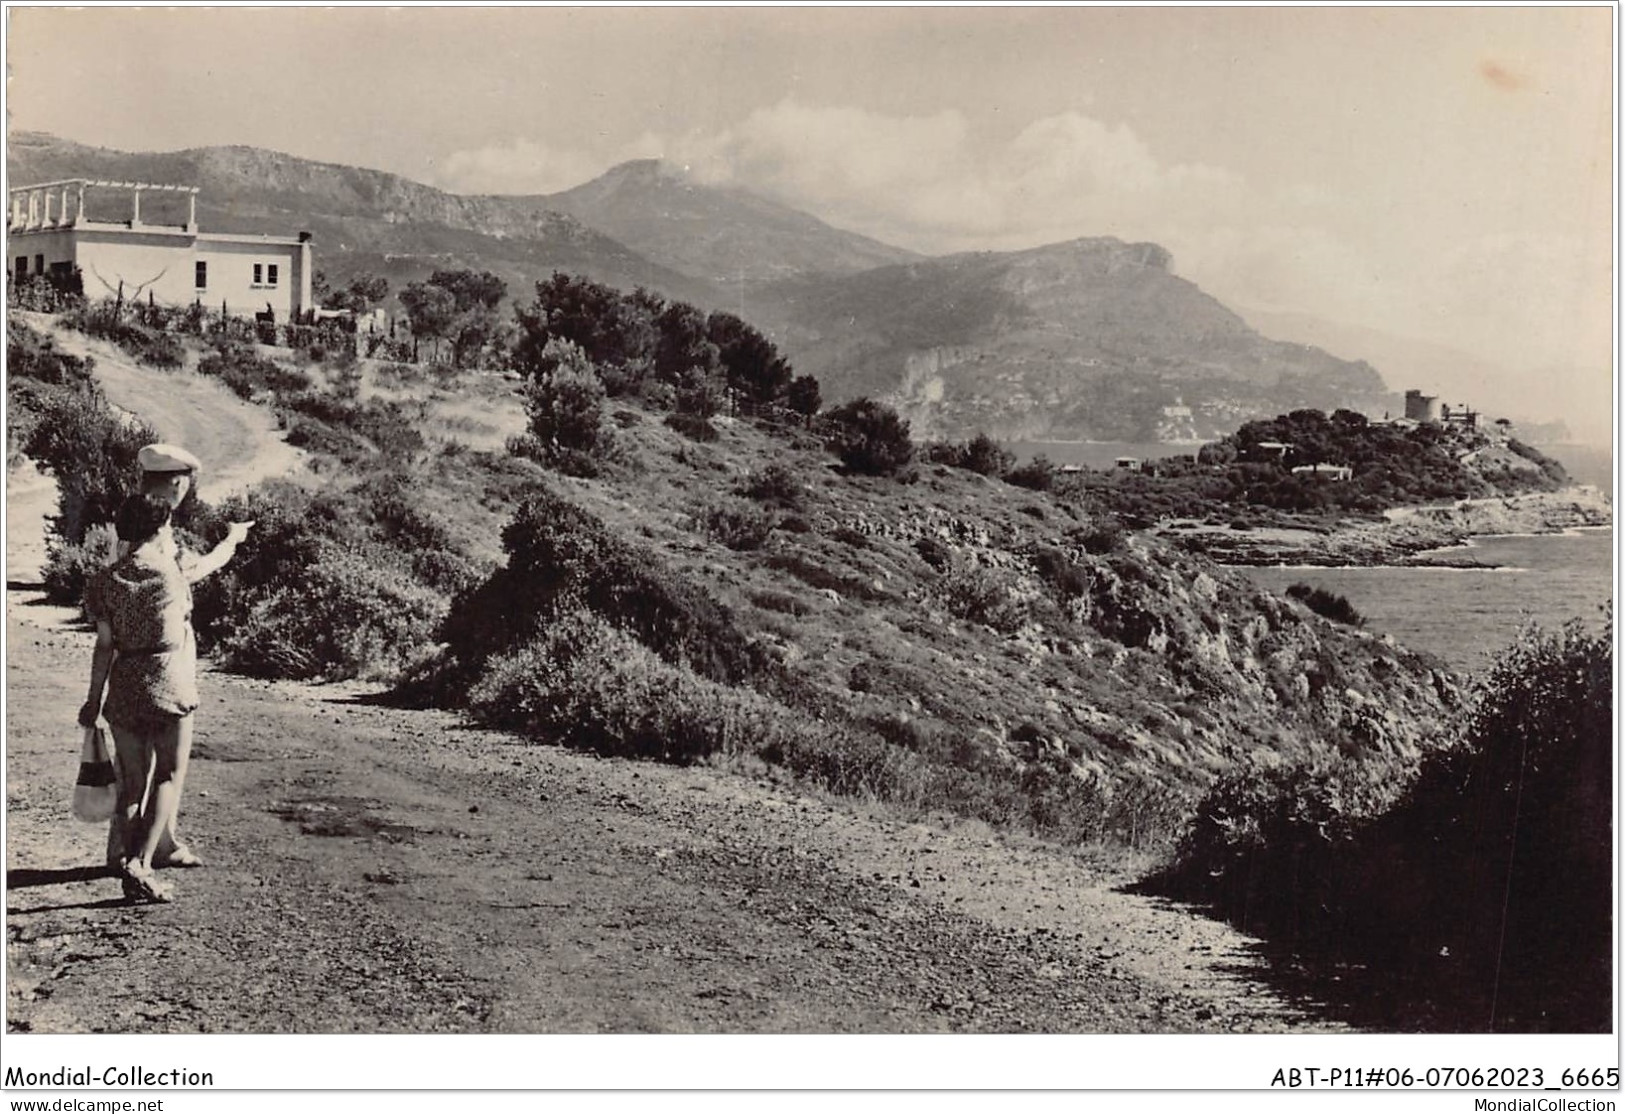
x,y
1104,536
984,596
90,451
1327,604
121,323
565,402
353,431
775,485
347,615
1038,474
935,552
694,427
1064,576
1482,875
584,683
736,525
69,565
248,374
561,558
869,437
981,454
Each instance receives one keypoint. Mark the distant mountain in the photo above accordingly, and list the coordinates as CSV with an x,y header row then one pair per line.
x,y
1088,339
724,234
364,220
1092,339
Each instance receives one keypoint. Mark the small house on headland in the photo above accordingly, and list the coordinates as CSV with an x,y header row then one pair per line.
x,y
49,231
1337,472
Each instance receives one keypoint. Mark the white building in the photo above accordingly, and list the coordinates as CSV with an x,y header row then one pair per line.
x,y
48,231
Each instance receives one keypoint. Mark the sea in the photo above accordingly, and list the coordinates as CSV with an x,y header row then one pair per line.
x,y
1466,616
1469,615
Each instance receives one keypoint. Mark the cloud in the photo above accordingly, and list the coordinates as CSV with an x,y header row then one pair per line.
x,y
521,167
935,183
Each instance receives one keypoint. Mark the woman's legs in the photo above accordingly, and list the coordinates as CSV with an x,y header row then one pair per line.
x,y
172,747
134,754
171,851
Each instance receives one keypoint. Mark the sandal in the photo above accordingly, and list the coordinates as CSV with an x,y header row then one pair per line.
x,y
182,856
141,885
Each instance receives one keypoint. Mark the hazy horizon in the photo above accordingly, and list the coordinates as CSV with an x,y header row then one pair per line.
x,y
1441,176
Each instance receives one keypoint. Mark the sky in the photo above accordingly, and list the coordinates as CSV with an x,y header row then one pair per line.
x,y
1440,174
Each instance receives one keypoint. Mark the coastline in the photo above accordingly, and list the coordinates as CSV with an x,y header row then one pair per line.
x,y
1410,537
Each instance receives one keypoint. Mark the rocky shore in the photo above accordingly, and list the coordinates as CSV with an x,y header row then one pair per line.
x,y
1407,536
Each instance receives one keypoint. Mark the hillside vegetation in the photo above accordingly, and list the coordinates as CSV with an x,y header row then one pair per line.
x,y
687,571
679,553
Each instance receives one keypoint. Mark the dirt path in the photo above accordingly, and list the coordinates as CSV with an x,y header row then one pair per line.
x,y
379,870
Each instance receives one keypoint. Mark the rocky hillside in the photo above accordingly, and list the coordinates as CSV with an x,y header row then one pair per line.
x,y
1093,339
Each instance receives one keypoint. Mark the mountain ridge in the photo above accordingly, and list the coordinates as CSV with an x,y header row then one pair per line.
x,y
1091,338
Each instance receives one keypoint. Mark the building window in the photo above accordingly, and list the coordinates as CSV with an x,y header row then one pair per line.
x,y
202,275
22,266
270,274
39,264
259,274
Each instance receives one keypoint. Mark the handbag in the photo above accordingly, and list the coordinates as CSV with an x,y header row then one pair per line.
x,y
95,794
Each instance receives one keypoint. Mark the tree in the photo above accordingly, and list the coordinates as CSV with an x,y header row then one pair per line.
x,y
616,332
804,396
475,322
431,309
987,457
683,350
566,403
456,306
869,437
756,373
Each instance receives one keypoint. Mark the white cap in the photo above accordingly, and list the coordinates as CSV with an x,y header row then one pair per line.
x,y
167,458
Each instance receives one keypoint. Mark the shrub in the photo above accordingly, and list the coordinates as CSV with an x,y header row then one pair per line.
x,y
984,596
775,485
1064,576
693,426
161,350
815,574
248,374
736,525
584,683
353,431
90,451
934,552
1327,604
1038,474
30,355
346,616
986,456
70,565
1484,871
1103,536
120,322
565,402
561,558
869,437
782,602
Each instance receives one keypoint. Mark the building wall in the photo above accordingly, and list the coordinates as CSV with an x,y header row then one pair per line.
x,y
163,263
231,277
1420,407
37,248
